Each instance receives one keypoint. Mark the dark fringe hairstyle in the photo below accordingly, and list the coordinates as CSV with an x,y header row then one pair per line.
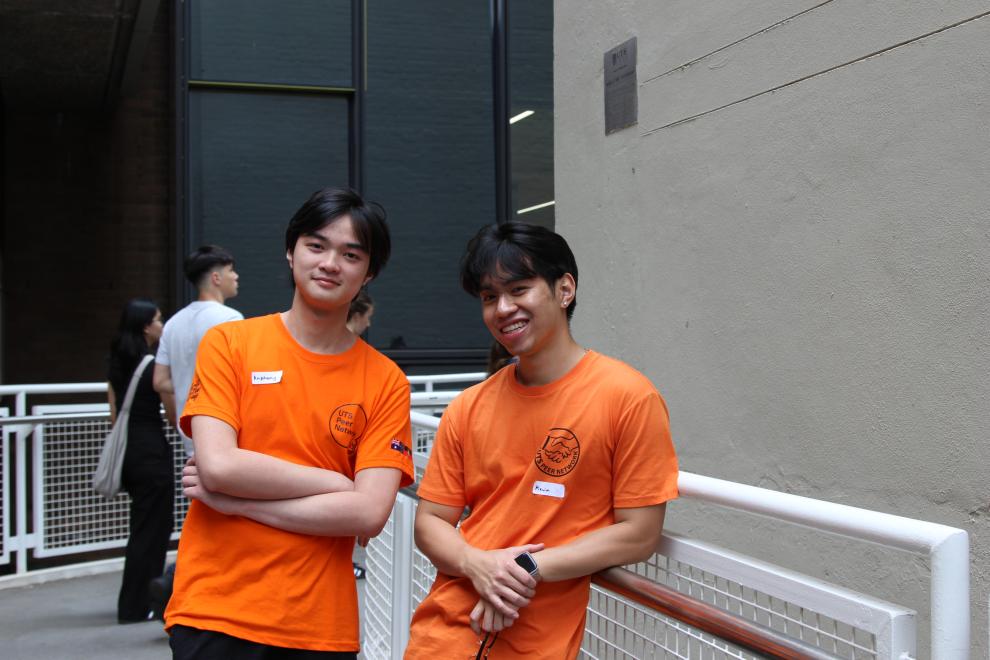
x,y
368,218
517,251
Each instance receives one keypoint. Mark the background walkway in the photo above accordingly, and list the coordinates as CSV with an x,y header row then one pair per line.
x,y
74,619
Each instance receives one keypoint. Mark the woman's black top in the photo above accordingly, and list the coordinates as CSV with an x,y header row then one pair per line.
x,y
146,408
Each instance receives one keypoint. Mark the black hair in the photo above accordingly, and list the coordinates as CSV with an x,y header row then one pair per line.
x,y
327,205
203,260
361,304
517,251
128,345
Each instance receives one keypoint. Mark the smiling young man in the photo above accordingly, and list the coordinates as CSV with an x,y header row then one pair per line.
x,y
564,460
301,434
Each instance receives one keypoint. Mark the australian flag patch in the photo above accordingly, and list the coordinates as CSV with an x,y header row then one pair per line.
x,y
401,448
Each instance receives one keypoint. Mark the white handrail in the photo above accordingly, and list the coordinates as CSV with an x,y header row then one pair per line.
x,y
422,419
474,376
100,387
54,388
55,417
947,547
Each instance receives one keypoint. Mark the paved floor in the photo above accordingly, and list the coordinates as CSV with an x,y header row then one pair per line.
x,y
76,619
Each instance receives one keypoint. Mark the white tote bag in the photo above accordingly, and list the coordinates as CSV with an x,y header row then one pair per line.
x,y
106,479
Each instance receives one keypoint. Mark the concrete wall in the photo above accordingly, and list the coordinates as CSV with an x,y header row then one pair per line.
x,y
793,243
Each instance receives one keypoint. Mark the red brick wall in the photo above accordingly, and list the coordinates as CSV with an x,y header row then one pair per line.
x,y
87,221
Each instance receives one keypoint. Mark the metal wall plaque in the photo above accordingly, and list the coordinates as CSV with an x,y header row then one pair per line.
x,y
621,100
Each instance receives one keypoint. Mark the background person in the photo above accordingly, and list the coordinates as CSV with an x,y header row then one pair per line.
x,y
498,357
358,321
210,269
147,474
359,313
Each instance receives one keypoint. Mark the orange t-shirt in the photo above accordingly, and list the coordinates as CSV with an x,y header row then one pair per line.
x,y
540,465
344,412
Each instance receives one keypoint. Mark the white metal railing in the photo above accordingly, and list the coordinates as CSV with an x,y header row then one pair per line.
x,y
47,507
836,620
428,382
56,511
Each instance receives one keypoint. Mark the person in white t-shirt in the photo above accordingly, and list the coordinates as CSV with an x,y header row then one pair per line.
x,y
211,270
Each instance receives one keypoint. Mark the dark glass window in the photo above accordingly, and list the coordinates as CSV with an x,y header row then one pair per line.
x,y
302,42
531,111
428,148
253,160
418,136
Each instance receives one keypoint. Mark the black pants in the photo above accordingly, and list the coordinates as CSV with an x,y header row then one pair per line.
x,y
148,478
194,644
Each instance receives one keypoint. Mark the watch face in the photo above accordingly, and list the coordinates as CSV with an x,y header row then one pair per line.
x,y
526,561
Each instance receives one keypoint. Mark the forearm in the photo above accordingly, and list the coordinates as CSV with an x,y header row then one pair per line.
x,y
332,514
361,512
255,476
493,573
443,545
168,401
623,542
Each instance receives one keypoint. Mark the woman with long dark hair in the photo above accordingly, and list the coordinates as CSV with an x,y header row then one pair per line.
x,y
147,474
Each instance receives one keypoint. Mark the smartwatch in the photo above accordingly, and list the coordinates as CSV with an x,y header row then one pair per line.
x,y
528,564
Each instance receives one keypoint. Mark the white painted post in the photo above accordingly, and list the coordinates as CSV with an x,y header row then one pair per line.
x,y
402,550
950,597
20,470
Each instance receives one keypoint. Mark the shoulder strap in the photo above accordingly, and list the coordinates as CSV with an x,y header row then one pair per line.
x,y
132,387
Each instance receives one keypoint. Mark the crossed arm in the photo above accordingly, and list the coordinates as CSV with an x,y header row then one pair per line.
x,y
282,494
503,587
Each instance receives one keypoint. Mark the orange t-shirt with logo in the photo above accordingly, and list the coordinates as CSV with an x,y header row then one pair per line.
x,y
343,412
540,465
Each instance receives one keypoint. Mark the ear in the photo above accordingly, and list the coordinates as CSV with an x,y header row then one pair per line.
x,y
366,280
566,289
215,277
288,257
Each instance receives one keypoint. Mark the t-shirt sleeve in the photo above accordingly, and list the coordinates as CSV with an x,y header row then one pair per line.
x,y
644,465
215,390
386,441
443,481
161,357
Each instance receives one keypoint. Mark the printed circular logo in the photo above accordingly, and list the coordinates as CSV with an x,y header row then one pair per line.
x,y
347,424
194,390
559,454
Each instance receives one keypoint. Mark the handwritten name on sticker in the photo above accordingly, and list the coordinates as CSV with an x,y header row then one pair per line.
x,y
548,489
266,377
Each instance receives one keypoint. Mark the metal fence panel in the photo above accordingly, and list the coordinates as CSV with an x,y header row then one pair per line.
x,y
376,626
68,516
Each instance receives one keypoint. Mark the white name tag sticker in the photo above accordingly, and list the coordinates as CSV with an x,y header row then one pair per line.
x,y
266,377
548,489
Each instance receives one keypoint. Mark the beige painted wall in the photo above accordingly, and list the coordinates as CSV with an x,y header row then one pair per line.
x,y
794,244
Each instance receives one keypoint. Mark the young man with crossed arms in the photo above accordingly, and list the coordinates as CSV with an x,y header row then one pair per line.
x,y
563,459
301,432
